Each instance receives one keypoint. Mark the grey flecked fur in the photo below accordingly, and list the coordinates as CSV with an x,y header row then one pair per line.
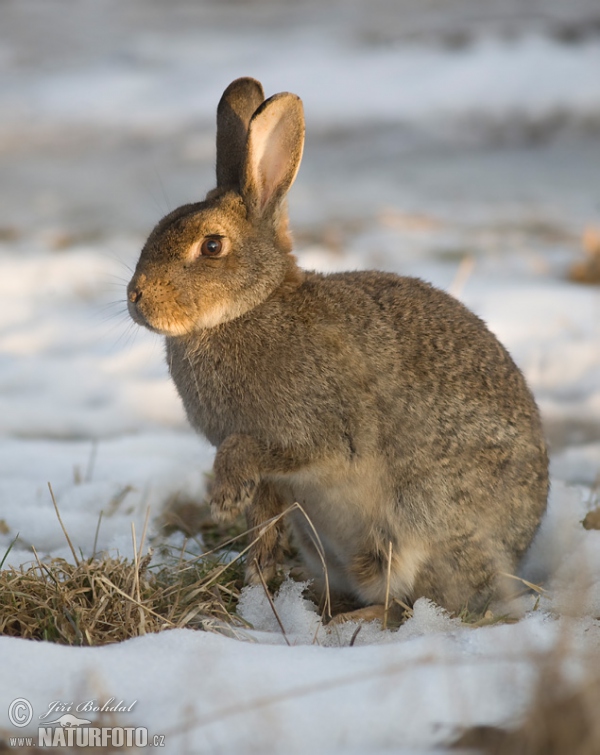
x,y
379,403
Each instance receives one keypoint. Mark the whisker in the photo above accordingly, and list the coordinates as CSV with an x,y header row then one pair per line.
x,y
109,304
120,323
168,204
115,257
127,337
118,278
116,318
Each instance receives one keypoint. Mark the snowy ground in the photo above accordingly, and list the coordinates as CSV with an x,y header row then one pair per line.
x,y
469,158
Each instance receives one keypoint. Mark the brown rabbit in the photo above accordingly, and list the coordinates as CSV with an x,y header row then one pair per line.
x,y
379,403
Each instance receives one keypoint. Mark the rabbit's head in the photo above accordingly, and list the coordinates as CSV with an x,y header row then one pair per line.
x,y
210,262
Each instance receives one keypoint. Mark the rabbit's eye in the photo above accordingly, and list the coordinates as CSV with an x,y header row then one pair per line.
x,y
211,247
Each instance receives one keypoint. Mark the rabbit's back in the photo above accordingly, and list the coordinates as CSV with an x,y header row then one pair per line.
x,y
439,362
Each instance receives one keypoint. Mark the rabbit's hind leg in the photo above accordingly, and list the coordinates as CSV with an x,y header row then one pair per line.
x,y
463,574
384,568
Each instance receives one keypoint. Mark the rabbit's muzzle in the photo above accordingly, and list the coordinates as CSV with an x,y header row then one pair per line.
x,y
140,303
157,304
134,296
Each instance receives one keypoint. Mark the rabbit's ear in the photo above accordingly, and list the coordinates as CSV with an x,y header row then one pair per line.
x,y
236,107
273,152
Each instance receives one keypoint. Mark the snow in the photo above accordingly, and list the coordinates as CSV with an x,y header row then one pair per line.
x,y
86,403
157,84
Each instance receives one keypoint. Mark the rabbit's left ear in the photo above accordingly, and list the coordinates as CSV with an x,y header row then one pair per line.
x,y
236,107
273,152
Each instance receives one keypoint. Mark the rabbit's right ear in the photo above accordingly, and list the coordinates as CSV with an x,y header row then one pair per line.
x,y
236,107
273,153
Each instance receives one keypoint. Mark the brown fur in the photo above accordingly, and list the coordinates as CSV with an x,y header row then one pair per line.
x,y
379,403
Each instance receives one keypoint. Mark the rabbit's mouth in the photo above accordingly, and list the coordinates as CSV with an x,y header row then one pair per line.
x,y
179,322
135,306
138,304
137,316
169,328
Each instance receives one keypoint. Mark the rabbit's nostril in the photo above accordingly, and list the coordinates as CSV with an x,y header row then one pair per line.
x,y
135,296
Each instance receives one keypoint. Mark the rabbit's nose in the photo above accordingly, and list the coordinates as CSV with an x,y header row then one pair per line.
x,y
134,289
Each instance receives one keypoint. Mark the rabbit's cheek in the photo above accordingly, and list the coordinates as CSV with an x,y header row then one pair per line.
x,y
214,314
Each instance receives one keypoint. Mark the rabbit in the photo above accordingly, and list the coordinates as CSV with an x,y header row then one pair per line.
x,y
380,404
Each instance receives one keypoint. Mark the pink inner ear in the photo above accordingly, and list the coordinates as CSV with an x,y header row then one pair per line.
x,y
273,151
274,162
272,156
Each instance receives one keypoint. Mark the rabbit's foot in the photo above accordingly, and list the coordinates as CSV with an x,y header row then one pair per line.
x,y
255,569
367,613
268,531
228,499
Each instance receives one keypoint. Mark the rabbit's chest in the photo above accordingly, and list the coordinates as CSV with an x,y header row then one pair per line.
x,y
343,500
214,405
229,390
222,395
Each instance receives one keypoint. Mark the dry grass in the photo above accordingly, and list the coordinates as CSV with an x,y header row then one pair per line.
x,y
103,600
588,269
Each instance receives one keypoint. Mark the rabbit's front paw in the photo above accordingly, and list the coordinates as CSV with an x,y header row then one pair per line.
x,y
230,498
257,571
236,477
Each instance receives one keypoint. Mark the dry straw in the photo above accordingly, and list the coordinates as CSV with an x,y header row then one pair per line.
x,y
103,599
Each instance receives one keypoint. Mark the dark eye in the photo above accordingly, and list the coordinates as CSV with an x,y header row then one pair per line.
x,y
211,247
